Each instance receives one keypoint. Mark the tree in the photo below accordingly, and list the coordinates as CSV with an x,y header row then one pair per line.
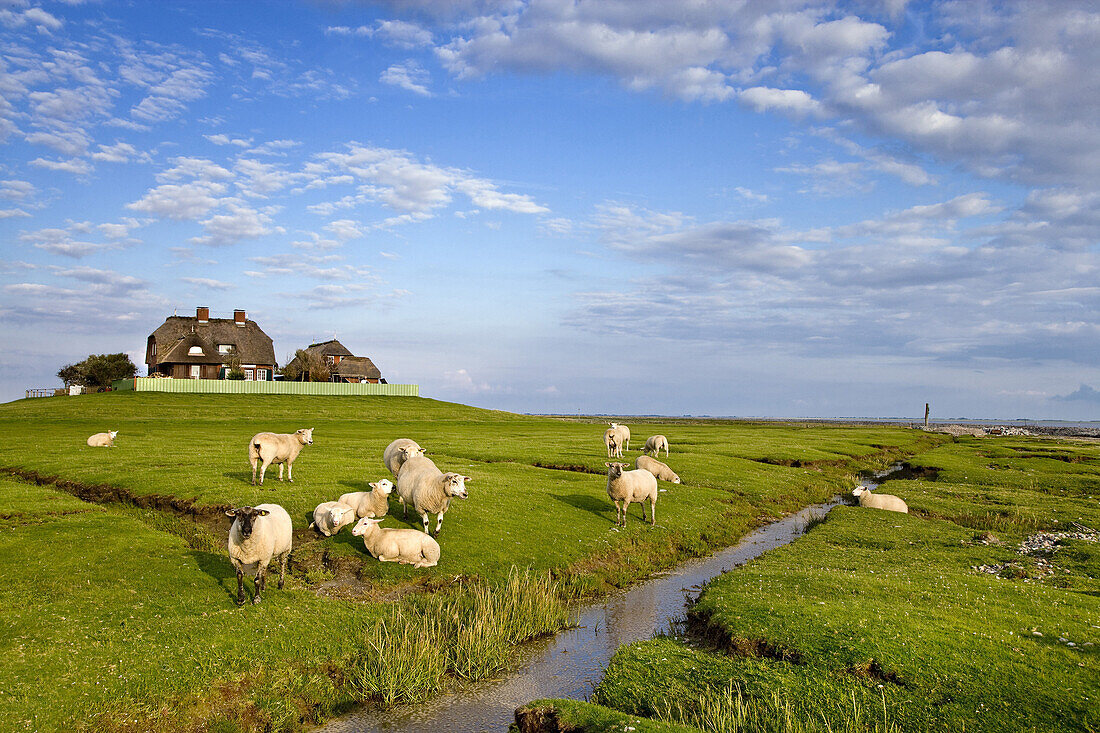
x,y
98,370
307,366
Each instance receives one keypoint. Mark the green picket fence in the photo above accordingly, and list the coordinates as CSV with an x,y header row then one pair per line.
x,y
229,386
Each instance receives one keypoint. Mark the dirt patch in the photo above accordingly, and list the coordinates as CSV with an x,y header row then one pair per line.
x,y
702,630
871,670
542,719
574,467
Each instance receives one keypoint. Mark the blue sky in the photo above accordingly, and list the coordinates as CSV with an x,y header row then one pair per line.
x,y
762,209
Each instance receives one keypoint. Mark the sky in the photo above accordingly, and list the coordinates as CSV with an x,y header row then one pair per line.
x,y
788,209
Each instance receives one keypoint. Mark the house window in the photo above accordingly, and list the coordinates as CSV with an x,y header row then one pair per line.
x,y
153,348
261,375
225,348
195,351
330,360
249,375
196,371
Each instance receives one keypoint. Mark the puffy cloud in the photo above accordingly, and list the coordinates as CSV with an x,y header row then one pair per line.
x,y
180,202
239,222
393,32
409,76
208,283
76,166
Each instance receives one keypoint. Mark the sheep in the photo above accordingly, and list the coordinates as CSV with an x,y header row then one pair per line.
x,y
373,503
258,535
332,516
611,440
627,486
277,448
655,443
623,434
398,452
428,489
658,469
397,545
103,440
889,502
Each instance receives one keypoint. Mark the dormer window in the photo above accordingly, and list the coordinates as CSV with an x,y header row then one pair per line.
x,y
195,351
225,348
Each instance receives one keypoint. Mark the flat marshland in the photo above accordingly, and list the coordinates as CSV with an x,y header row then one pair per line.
x,y
119,596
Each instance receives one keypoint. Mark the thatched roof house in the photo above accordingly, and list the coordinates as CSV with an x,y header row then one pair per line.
x,y
345,366
201,347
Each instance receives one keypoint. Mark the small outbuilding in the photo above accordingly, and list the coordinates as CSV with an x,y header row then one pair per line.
x,y
343,365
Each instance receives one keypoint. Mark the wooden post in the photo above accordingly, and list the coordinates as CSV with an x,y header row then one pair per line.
x,y
926,415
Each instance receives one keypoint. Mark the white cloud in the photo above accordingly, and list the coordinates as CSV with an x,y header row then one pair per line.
x,y
180,201
76,166
240,222
223,139
793,101
393,32
208,283
120,153
344,229
409,76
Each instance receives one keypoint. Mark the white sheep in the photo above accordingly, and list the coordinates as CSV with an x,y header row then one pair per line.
x,y
103,440
428,489
658,469
258,535
889,502
332,516
627,486
373,503
398,452
397,545
623,433
279,448
655,443
611,440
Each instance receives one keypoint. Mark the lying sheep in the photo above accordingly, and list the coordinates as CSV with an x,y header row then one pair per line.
x,y
397,545
277,448
332,516
658,469
655,443
103,440
258,535
889,502
373,503
398,452
627,486
623,433
428,489
611,440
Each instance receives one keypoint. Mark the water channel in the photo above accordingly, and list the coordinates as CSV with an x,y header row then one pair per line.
x,y
571,663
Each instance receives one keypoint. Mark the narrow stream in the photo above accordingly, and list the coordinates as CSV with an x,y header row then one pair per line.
x,y
571,663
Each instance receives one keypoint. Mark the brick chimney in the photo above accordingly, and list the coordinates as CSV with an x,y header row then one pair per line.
x,y
202,313
238,318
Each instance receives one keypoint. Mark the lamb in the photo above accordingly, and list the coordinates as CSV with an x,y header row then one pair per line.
x,y
889,502
277,448
428,489
658,469
103,440
373,503
627,486
623,433
397,545
258,535
332,516
611,440
398,452
655,443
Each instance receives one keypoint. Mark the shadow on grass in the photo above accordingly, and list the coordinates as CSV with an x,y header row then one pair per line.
x,y
244,476
586,503
219,568
355,485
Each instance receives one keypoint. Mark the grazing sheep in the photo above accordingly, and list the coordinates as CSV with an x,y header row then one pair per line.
x,y
258,535
623,433
889,502
655,443
332,516
277,448
627,486
611,440
397,545
428,489
373,503
398,452
103,440
658,469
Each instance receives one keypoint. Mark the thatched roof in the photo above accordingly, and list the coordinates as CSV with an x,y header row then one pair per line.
x,y
179,334
357,366
332,347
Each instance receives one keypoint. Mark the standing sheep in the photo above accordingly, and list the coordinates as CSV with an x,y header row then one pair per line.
x,y
658,469
277,448
611,440
373,503
332,516
627,486
655,443
428,489
103,440
258,535
397,545
623,433
398,452
889,502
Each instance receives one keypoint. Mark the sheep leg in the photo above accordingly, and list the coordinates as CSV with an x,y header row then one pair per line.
x,y
652,512
438,523
261,582
240,587
424,517
254,462
282,568
263,471
290,472
280,471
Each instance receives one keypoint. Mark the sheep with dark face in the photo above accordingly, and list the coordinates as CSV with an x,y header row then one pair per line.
x,y
627,486
278,448
259,534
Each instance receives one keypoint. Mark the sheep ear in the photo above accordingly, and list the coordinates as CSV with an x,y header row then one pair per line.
x,y
230,512
467,479
607,464
374,485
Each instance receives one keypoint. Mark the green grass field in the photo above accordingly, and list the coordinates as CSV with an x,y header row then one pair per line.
x,y
121,612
